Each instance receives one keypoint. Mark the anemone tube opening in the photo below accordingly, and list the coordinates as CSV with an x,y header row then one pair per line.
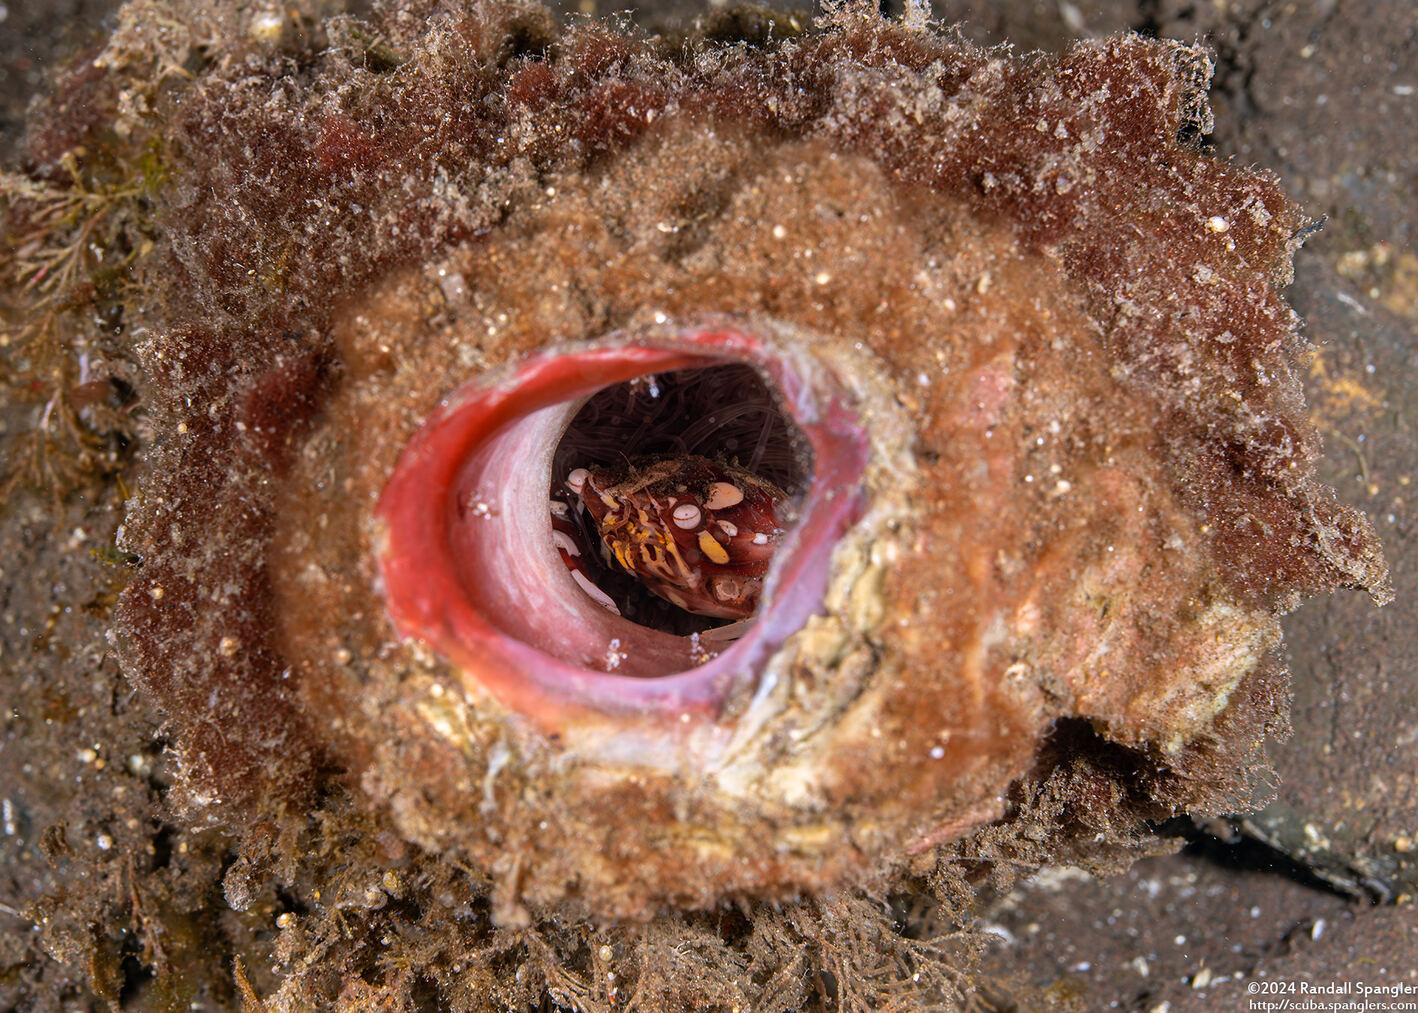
x,y
469,565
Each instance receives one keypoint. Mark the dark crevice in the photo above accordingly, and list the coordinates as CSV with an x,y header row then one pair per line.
x,y
133,973
1245,854
1149,19
704,205
161,844
759,27
426,997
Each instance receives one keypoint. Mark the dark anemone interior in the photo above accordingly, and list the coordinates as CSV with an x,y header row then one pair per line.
x,y
730,413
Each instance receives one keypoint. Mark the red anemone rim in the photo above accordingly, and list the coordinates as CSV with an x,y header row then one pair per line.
x,y
427,593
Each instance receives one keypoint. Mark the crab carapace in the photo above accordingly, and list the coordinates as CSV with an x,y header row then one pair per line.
x,y
696,532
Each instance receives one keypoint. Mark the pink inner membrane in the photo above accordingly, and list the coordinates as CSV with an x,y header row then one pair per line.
x,y
470,567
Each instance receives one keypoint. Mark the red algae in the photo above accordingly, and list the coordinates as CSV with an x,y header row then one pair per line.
x,y
1061,484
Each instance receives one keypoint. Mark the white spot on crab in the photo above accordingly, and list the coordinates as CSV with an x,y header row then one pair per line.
x,y
687,516
727,588
723,495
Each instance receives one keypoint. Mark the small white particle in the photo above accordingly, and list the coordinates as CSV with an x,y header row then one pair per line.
x,y
104,842
1217,224
266,27
1351,302
1000,932
779,232
454,285
937,752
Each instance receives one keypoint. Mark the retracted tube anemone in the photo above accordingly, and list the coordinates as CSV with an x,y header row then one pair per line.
x,y
501,577
651,475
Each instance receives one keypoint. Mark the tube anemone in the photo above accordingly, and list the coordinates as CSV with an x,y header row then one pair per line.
x,y
469,564
1037,428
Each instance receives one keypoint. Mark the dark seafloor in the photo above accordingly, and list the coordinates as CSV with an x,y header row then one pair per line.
x,y
1318,887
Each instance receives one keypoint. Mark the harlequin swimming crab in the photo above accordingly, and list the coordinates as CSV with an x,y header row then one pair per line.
x,y
698,533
